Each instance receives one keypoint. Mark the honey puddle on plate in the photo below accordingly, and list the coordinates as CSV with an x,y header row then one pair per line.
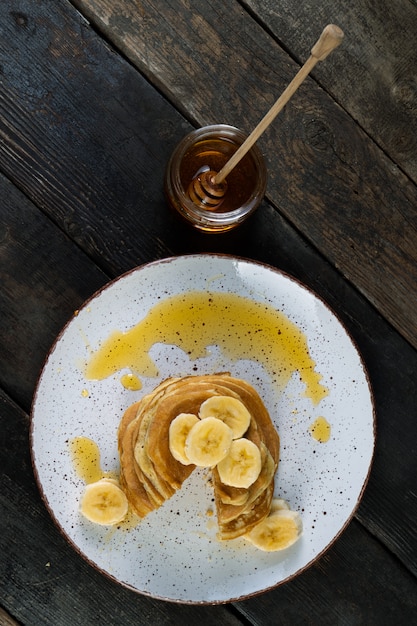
x,y
194,320
320,430
85,456
131,382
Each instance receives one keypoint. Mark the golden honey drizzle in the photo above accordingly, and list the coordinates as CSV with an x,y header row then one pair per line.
x,y
320,430
194,320
85,456
131,382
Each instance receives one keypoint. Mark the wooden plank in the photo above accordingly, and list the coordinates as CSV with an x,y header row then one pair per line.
x,y
373,74
78,133
325,174
354,583
44,279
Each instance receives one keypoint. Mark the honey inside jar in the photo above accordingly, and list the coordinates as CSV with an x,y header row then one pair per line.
x,y
206,150
212,154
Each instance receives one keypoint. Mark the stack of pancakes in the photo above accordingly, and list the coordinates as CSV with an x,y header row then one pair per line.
x,y
149,473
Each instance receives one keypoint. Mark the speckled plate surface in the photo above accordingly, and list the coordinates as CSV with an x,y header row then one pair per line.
x,y
173,553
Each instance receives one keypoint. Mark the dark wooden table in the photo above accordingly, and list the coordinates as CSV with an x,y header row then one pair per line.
x,y
94,96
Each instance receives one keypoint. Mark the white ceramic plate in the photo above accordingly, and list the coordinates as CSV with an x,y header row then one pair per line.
x,y
173,553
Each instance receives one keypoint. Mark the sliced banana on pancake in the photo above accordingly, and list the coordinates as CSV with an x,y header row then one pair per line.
x,y
208,442
277,531
230,410
178,433
149,464
104,502
278,504
242,466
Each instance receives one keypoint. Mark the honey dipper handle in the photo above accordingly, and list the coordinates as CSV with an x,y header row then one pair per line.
x,y
330,38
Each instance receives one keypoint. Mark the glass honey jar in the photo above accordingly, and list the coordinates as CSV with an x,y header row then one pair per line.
x,y
208,149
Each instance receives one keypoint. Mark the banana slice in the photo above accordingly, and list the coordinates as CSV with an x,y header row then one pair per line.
x,y
277,531
178,433
278,504
208,442
230,410
242,466
104,502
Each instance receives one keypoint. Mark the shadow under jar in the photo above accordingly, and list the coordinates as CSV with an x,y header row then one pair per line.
x,y
209,148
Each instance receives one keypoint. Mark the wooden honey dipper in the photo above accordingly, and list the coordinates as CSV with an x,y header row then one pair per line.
x,y
208,188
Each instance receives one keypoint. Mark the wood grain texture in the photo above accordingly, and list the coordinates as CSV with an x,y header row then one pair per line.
x,y
325,174
73,133
329,604
373,75
44,279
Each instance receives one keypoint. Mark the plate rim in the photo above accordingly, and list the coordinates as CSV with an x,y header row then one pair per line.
x,y
84,304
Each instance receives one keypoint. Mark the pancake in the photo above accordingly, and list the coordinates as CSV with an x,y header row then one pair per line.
x,y
150,474
129,480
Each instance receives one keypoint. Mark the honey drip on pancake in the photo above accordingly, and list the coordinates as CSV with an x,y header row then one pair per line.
x,y
193,321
